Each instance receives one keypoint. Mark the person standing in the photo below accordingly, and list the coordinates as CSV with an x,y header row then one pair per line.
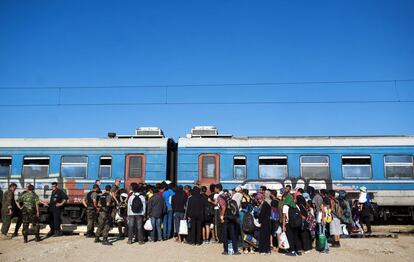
x,y
167,194
178,203
30,212
229,224
91,204
115,199
136,213
104,217
265,225
156,207
57,199
7,210
195,214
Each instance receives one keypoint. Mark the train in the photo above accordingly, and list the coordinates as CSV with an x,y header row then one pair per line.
x,y
382,164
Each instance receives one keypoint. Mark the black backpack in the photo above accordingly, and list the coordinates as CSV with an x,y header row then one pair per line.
x,y
232,210
248,223
295,219
208,212
103,200
137,205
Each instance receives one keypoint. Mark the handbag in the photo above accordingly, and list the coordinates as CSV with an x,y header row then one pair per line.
x,y
148,225
284,243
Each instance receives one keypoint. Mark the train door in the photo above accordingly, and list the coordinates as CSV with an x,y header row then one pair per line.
x,y
209,169
134,169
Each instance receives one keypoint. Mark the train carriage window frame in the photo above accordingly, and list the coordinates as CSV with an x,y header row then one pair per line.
x,y
105,166
141,174
73,165
355,161
202,169
276,158
240,165
319,164
35,162
394,165
5,166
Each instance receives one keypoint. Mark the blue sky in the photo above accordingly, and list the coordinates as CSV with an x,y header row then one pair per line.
x,y
81,44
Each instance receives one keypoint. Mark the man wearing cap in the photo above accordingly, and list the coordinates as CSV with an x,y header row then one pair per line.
x,y
238,196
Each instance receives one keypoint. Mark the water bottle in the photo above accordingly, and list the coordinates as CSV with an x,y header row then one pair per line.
x,y
230,248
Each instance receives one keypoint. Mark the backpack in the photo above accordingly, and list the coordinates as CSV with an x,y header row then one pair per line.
x,y
337,209
89,200
248,223
103,201
311,222
232,210
295,219
274,214
208,212
137,205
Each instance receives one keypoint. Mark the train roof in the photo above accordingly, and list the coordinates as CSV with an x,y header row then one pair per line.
x,y
82,142
295,141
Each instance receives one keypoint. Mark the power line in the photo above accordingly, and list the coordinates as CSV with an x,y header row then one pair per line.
x,y
209,103
207,84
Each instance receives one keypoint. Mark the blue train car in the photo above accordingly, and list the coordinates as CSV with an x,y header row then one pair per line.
x,y
382,164
75,164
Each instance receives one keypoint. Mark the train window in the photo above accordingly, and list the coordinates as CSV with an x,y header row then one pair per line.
x,y
135,166
314,167
356,166
105,166
239,167
5,166
273,167
398,166
208,166
36,167
74,166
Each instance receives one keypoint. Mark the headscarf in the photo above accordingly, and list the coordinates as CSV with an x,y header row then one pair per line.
x,y
289,201
267,197
259,197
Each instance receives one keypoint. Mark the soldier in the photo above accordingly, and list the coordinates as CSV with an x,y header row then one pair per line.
x,y
115,199
18,215
91,203
7,210
30,211
104,217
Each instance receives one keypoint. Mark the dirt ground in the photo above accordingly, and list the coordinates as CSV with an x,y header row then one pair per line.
x,y
79,248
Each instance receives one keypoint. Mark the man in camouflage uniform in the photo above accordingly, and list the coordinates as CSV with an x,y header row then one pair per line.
x,y
7,210
30,212
91,204
104,217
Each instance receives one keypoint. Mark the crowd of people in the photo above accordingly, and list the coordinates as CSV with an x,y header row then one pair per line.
x,y
288,221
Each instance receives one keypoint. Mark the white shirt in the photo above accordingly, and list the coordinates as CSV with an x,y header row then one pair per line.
x,y
131,198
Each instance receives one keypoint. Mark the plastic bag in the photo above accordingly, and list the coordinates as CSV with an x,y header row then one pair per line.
x,y
183,230
148,225
284,243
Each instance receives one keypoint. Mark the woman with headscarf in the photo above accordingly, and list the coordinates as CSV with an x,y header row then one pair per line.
x,y
195,214
265,225
304,232
293,233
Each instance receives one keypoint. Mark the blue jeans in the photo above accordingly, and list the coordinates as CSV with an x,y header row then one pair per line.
x,y
229,233
167,224
156,228
177,218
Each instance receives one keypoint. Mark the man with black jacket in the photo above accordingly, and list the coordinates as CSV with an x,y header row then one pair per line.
x,y
57,199
156,209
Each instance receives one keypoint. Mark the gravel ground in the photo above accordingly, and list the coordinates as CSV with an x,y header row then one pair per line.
x,y
79,248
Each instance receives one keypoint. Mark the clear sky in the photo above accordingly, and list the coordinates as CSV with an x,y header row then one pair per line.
x,y
80,44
